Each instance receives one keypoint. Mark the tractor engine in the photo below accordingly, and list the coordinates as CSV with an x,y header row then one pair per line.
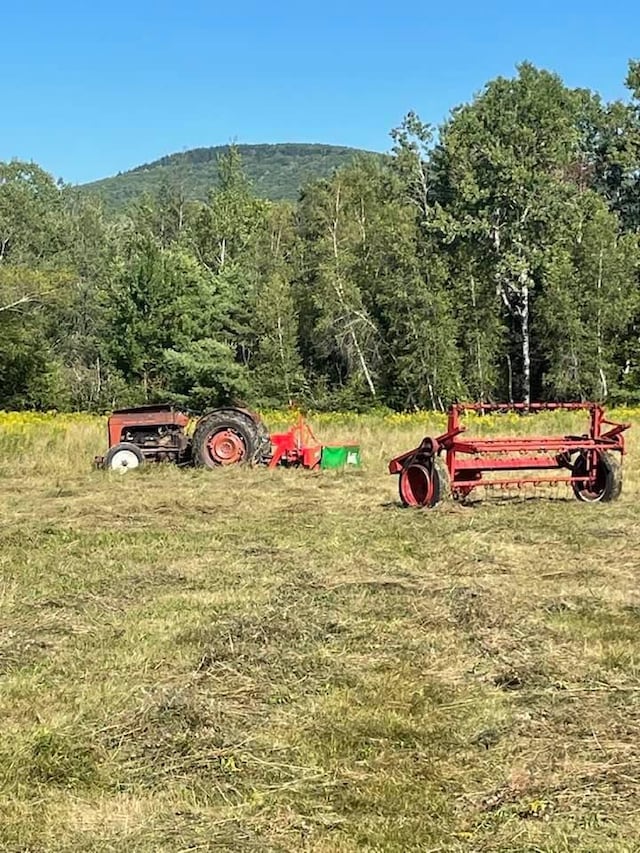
x,y
167,442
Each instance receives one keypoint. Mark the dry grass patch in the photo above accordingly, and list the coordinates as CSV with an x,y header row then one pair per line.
x,y
254,660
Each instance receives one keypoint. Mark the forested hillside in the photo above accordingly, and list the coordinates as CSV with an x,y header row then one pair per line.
x,y
276,172
496,259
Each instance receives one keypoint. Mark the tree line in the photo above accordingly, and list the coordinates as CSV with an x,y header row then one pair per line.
x,y
497,259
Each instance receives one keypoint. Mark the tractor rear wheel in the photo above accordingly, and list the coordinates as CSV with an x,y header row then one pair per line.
x,y
123,457
607,483
424,485
228,437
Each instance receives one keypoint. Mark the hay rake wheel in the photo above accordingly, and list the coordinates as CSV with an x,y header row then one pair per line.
x,y
424,483
603,478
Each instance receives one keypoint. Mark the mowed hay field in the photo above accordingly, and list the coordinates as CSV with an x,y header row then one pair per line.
x,y
248,660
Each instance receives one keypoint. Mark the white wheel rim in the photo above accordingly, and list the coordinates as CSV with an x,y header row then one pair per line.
x,y
123,460
594,500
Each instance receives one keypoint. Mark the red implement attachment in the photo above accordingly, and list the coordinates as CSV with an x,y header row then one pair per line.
x,y
589,460
296,447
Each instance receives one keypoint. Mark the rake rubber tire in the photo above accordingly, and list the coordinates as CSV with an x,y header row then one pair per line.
x,y
609,476
444,481
115,457
263,453
430,486
251,436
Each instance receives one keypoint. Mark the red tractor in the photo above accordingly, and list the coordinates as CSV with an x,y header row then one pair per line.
x,y
158,433
225,436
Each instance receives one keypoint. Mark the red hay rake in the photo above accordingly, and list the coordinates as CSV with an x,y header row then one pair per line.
x,y
586,462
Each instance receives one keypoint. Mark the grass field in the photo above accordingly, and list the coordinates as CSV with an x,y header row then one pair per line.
x,y
261,661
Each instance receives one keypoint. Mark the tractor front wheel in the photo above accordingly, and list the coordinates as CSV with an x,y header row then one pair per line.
x,y
227,437
606,483
123,457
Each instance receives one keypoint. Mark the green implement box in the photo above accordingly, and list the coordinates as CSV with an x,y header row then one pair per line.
x,y
341,456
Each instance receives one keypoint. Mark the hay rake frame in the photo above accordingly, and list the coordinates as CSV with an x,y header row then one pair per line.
x,y
588,463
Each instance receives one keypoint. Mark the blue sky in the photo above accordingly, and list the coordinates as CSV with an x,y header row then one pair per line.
x,y
90,89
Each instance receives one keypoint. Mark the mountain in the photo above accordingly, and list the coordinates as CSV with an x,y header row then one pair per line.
x,y
276,171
